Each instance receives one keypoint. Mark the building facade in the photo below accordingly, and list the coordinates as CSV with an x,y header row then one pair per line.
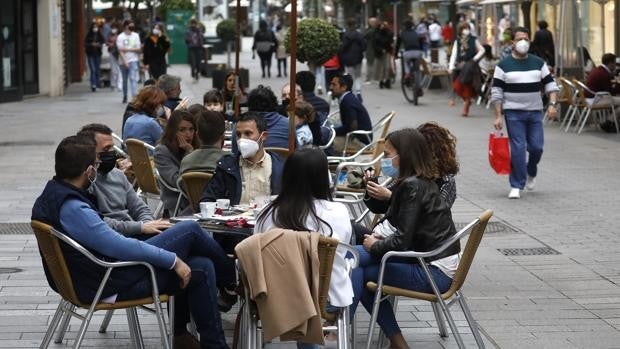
x,y
40,47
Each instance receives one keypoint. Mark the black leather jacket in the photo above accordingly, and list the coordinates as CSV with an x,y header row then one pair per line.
x,y
423,220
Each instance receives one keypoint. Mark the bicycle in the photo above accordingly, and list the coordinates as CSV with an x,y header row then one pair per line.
x,y
409,83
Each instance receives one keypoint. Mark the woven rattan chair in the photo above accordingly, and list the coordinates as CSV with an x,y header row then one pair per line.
x,y
475,229
602,102
147,176
50,241
193,184
282,152
326,251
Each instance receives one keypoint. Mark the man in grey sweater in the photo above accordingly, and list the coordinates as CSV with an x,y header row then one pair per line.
x,y
121,207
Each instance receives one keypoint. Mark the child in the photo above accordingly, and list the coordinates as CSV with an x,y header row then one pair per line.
x,y
304,114
213,100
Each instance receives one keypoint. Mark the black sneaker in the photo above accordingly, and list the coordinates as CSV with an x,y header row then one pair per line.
x,y
226,298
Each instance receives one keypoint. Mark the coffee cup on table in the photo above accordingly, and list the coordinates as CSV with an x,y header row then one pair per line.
x,y
222,204
207,209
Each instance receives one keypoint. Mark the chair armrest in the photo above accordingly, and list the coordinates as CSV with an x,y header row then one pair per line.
x,y
332,137
163,182
335,159
149,147
121,151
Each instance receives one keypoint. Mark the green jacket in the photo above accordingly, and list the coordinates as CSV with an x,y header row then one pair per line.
x,y
203,159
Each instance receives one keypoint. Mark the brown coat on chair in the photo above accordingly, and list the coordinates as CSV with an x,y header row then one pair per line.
x,y
281,271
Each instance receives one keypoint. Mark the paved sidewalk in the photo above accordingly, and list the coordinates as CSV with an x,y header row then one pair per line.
x,y
570,299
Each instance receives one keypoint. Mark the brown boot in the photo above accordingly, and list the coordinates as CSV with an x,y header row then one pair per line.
x,y
466,108
186,341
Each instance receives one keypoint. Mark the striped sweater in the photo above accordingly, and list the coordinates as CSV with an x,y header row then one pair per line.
x,y
517,83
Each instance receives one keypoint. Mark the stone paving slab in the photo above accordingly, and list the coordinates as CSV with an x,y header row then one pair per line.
x,y
570,300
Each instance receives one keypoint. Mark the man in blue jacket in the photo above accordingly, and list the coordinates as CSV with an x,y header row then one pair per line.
x,y
353,114
185,258
250,173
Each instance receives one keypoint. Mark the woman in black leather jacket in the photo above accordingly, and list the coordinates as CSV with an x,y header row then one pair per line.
x,y
420,220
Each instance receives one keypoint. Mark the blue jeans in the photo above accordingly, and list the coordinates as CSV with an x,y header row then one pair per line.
x,y
525,130
404,275
94,64
210,267
130,76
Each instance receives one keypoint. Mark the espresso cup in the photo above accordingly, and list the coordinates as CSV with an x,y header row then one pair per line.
x,y
223,204
207,209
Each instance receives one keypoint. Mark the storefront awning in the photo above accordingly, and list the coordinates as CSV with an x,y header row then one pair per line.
x,y
487,2
466,2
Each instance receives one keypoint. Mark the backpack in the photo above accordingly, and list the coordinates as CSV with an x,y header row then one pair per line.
x,y
194,39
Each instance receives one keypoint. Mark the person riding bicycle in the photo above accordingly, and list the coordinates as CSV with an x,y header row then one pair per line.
x,y
412,45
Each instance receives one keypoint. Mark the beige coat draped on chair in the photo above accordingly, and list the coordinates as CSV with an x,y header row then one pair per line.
x,y
281,270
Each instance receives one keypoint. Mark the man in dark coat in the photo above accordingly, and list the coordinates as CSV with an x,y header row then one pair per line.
x,y
352,54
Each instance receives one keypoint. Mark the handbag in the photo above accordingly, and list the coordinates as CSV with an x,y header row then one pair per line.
x,y
499,153
264,46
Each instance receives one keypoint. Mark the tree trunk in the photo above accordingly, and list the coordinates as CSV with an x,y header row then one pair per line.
x,y
228,64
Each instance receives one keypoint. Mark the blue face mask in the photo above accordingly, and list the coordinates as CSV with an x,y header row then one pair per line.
x,y
387,168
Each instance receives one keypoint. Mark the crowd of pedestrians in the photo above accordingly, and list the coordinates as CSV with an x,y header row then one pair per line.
x,y
92,200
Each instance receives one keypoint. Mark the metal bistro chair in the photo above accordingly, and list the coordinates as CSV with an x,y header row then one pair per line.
x,y
120,146
602,102
374,162
379,130
51,244
475,229
429,74
193,184
147,175
346,335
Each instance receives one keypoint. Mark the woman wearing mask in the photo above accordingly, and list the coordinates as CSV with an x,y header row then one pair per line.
x,y
310,208
442,145
178,140
93,44
156,46
264,44
116,81
466,49
143,125
420,220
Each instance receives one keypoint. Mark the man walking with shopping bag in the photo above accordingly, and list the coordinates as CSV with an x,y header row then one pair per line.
x,y
517,82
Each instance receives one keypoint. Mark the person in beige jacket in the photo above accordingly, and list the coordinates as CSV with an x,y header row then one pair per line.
x,y
280,268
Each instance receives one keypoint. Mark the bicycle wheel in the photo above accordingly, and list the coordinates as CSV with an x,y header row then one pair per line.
x,y
408,86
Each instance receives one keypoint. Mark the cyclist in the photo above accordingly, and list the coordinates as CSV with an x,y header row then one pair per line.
x,y
412,46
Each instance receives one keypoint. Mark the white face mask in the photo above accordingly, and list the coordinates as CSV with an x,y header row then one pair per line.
x,y
465,32
95,29
156,31
522,46
248,147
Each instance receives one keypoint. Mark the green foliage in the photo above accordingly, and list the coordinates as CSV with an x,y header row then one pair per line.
x,y
226,30
177,5
317,41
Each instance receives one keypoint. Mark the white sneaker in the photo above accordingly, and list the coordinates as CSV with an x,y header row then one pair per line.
x,y
514,193
531,183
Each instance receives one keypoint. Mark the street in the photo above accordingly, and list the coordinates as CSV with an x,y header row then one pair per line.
x,y
546,275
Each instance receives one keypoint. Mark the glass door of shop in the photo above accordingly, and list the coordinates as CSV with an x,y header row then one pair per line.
x,y
30,72
10,71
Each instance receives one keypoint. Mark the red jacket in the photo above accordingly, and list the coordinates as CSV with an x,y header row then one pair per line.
x,y
599,80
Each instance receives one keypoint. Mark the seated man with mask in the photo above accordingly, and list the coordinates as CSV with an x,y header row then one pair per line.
x,y
67,206
251,172
117,201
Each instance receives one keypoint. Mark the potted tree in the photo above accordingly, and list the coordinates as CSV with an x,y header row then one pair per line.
x,y
317,42
226,31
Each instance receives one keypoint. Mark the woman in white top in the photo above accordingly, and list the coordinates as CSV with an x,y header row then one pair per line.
x,y
305,204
